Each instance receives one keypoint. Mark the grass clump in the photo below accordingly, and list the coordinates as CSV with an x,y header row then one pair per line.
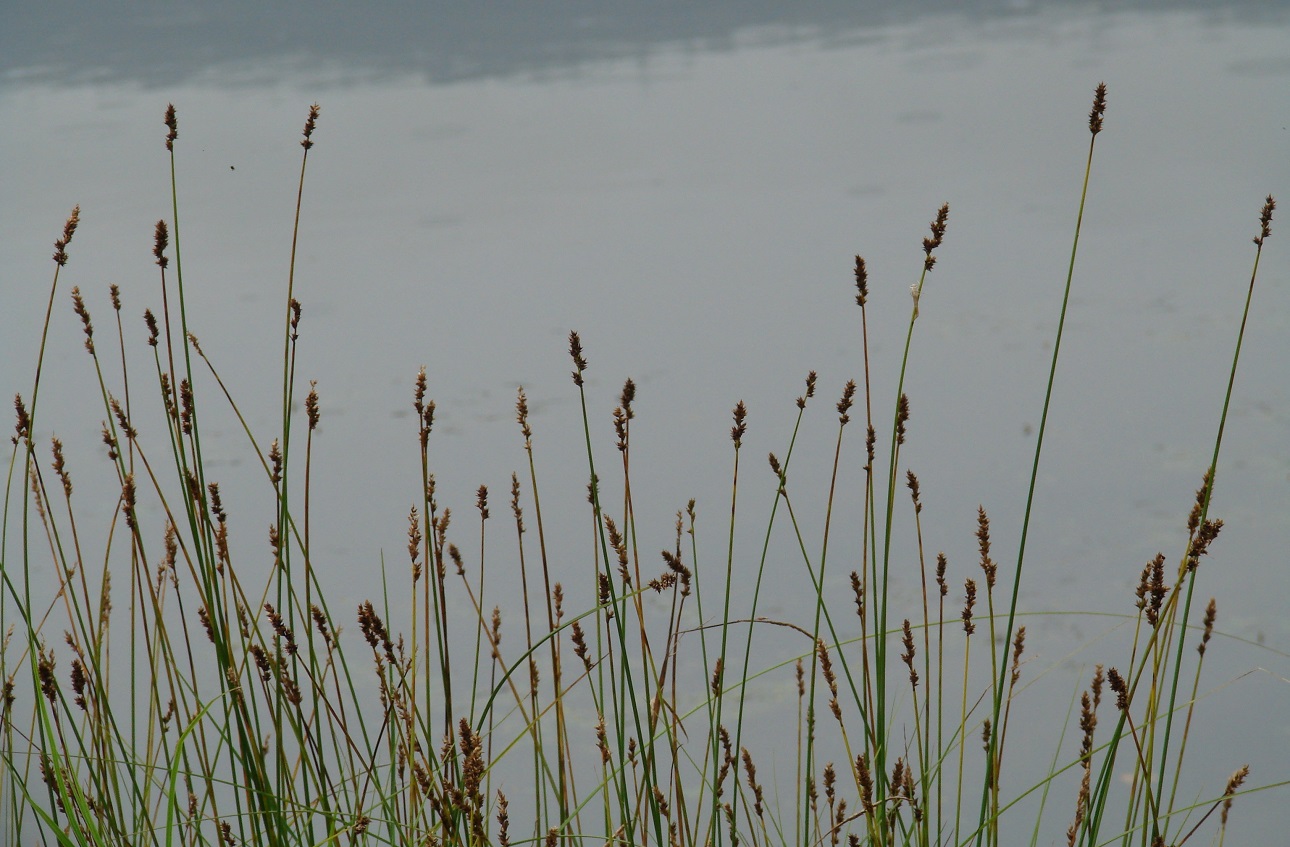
x,y
176,694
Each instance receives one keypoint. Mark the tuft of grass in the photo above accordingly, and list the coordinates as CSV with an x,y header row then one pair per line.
x,y
207,702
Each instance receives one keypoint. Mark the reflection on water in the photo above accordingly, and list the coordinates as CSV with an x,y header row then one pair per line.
x,y
687,185
157,45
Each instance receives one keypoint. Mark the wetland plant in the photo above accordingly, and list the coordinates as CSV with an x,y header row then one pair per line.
x,y
166,691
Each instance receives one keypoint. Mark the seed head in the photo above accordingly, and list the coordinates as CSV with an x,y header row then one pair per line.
x,y
159,242
741,426
1099,109
78,306
902,417
69,229
310,123
311,405
934,241
848,399
1265,220
579,363
810,391
172,124
862,283
23,426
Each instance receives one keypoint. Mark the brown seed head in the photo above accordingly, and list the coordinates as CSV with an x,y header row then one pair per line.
x,y
907,639
311,405
1265,220
114,291
1120,688
579,363
69,229
988,565
934,240
515,503
902,418
522,415
172,125
1018,646
60,467
1205,536
1211,611
741,425
1099,109
810,391
912,482
23,426
862,283
310,123
848,399
1233,784
160,239
275,461
625,399
970,588
151,320
941,566
481,502
78,306
419,392
48,684
128,501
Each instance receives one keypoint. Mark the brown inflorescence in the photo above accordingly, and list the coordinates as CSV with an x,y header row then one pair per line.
x,y
741,425
847,401
78,306
1099,109
1265,220
579,361
160,239
934,240
69,229
310,124
172,127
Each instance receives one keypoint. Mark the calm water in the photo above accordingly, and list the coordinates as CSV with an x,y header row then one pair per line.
x,y
687,187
